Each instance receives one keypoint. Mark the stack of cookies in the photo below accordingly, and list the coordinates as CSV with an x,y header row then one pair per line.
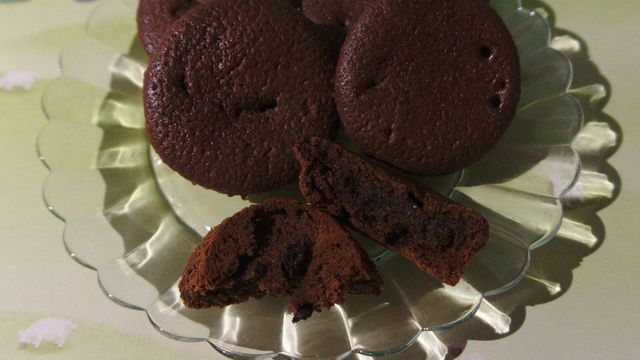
x,y
241,95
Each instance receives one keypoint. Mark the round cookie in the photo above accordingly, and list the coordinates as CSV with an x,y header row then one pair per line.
x,y
428,86
156,16
339,13
232,88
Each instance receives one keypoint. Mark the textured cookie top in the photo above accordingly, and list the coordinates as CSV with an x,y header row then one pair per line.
x,y
280,248
428,85
231,89
156,16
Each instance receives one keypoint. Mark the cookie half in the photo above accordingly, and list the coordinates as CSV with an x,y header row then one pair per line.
x,y
280,248
437,234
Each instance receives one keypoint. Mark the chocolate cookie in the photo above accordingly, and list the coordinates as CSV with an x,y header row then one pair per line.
x,y
428,86
280,248
231,89
440,236
156,16
339,13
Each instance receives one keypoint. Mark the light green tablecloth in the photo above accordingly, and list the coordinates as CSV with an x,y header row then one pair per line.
x,y
586,322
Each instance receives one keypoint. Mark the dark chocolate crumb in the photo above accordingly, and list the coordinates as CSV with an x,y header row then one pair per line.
x,y
302,312
295,261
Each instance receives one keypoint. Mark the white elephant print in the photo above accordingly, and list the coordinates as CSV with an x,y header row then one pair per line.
x,y
18,79
54,330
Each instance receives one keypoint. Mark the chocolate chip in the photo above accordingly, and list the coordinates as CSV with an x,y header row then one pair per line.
x,y
496,102
295,261
263,223
265,105
397,236
486,52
